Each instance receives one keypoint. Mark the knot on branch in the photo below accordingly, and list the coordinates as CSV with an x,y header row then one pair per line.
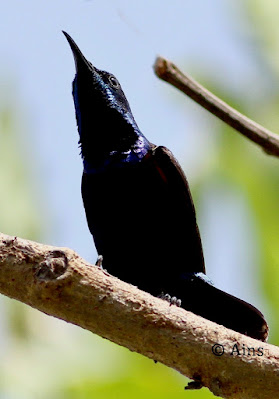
x,y
54,266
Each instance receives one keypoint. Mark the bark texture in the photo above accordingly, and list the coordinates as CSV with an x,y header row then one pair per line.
x,y
60,283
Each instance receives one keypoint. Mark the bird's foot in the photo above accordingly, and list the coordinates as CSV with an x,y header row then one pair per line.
x,y
171,299
99,262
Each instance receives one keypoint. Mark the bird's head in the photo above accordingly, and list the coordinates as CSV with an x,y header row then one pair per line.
x,y
104,118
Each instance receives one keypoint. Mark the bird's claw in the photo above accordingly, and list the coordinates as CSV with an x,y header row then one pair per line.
x,y
99,261
171,299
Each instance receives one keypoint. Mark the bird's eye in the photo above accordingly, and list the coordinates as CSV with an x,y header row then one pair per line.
x,y
113,81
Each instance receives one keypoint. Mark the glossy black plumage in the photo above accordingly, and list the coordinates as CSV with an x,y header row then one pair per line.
x,y
139,207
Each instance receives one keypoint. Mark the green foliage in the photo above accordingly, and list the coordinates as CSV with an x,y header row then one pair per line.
x,y
141,378
19,212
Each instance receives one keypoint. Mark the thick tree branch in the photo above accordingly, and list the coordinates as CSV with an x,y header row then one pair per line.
x,y
60,283
167,71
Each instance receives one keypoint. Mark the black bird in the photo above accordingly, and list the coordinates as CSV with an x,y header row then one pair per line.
x,y
139,207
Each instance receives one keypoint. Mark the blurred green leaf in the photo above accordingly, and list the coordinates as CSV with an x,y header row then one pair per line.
x,y
19,212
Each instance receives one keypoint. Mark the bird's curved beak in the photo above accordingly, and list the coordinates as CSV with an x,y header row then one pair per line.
x,y
80,61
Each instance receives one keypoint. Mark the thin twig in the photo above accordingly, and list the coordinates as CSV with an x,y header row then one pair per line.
x,y
167,71
60,283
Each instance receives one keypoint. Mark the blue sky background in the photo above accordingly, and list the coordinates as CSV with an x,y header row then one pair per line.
x,y
210,39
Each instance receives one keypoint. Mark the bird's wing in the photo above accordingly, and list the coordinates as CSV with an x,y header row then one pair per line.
x,y
181,200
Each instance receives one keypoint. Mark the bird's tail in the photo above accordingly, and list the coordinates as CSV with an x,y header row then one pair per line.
x,y
201,297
